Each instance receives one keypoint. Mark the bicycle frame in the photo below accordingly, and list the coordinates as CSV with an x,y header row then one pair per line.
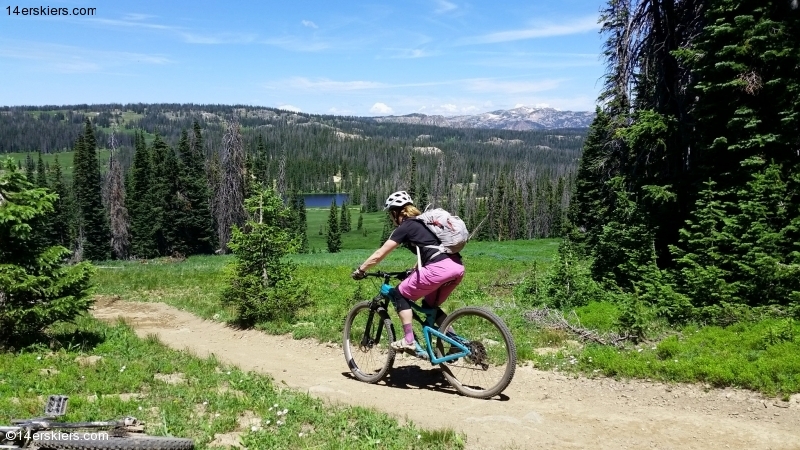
x,y
429,327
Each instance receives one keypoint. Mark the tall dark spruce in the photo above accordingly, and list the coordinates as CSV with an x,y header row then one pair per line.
x,y
94,234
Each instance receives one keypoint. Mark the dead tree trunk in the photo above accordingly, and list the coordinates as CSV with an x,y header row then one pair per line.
x,y
229,195
117,212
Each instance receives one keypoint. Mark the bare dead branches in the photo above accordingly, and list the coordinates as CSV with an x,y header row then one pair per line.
x,y
229,195
751,82
555,320
117,212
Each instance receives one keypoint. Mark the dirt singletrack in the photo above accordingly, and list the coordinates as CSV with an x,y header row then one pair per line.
x,y
538,410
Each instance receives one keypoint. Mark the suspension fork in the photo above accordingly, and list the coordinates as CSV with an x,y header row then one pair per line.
x,y
378,308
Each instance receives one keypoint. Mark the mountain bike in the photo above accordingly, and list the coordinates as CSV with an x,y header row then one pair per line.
x,y
45,433
475,352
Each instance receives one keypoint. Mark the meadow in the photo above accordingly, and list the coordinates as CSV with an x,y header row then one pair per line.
x,y
763,355
109,373
65,160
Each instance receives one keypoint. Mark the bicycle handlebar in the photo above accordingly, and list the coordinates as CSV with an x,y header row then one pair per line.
x,y
384,274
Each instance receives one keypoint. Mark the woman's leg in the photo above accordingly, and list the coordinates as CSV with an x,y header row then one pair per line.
x,y
434,282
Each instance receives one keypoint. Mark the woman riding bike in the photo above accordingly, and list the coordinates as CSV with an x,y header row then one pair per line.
x,y
434,281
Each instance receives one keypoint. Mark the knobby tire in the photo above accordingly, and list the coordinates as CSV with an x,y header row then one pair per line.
x,y
470,377
140,442
380,354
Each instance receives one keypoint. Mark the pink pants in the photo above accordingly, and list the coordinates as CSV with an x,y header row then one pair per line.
x,y
435,281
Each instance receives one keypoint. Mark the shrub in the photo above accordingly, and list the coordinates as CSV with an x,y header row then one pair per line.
x,y
261,285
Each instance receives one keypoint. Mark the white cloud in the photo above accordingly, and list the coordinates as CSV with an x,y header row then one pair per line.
x,y
411,53
323,85
219,38
444,6
289,108
510,87
583,25
70,59
340,112
309,24
381,108
136,16
541,105
296,44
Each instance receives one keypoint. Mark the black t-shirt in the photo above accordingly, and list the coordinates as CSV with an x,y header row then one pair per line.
x,y
412,233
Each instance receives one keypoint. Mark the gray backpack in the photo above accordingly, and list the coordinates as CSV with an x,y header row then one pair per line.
x,y
449,229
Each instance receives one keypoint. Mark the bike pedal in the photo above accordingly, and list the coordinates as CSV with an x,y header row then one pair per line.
x,y
56,405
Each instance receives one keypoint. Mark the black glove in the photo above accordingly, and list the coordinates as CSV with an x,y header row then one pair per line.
x,y
405,275
358,274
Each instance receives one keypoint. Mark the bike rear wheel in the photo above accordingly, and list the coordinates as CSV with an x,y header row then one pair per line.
x,y
488,370
133,442
367,342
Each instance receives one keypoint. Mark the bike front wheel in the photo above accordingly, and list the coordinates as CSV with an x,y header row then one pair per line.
x,y
368,335
76,441
489,368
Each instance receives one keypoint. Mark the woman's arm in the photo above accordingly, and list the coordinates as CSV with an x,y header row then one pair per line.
x,y
379,254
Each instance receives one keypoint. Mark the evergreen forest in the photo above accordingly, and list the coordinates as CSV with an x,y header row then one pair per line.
x,y
688,189
177,175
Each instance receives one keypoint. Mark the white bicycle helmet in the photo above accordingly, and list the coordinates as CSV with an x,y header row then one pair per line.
x,y
398,199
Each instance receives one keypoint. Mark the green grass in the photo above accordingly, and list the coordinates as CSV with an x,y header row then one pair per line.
x,y
740,355
65,159
209,401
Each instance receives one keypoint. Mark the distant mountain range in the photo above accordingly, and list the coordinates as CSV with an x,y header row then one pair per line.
x,y
520,118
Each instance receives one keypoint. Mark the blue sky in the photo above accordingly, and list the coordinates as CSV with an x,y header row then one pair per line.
x,y
354,58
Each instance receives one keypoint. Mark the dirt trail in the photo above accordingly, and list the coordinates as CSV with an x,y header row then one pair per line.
x,y
539,409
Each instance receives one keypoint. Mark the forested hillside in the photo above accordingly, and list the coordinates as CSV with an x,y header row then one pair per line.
x,y
520,180
688,192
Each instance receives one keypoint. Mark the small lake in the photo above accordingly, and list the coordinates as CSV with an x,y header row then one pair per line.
x,y
324,200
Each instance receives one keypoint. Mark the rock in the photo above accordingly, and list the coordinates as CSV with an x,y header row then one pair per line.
x,y
171,378
48,371
88,360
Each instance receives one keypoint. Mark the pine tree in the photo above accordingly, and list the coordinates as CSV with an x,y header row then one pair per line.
x,y
36,288
140,206
62,221
298,205
412,183
30,168
196,222
423,197
590,200
360,221
41,173
334,235
262,287
164,198
92,217
344,219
